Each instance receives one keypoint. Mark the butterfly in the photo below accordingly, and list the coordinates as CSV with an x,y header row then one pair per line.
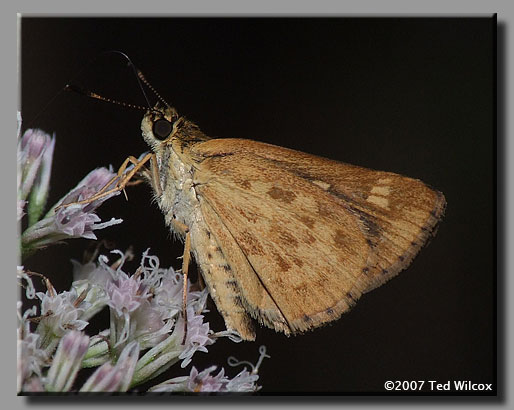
x,y
287,238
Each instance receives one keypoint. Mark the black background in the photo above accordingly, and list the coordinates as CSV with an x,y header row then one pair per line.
x,y
412,96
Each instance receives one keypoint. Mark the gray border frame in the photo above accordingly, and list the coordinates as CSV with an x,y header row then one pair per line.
x,y
504,8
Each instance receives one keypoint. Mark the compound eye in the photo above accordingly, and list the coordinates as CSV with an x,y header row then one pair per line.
x,y
162,128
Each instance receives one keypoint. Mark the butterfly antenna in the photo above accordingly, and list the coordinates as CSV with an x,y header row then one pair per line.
x,y
91,94
139,77
145,81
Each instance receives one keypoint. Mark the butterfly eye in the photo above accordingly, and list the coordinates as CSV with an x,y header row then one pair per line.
x,y
162,128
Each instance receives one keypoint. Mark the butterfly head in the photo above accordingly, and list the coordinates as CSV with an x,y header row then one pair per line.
x,y
162,126
159,125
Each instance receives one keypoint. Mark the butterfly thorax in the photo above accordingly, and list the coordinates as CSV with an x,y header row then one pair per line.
x,y
173,182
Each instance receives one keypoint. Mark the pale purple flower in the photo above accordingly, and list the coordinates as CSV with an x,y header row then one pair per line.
x,y
93,274
20,209
146,313
79,220
126,293
33,143
18,123
33,385
39,193
34,148
74,221
168,293
59,315
171,350
30,357
91,279
151,324
204,382
134,313
198,382
197,336
67,218
66,363
30,290
243,382
105,379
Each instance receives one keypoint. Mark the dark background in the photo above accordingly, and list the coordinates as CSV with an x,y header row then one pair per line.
x,y
412,96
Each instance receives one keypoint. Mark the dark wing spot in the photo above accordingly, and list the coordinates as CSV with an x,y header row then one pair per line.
x,y
324,209
340,239
282,263
249,216
309,222
298,261
281,194
238,300
309,239
232,284
368,222
249,244
287,237
246,184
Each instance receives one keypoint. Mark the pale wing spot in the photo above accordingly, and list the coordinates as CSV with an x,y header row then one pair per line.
x,y
381,190
384,181
321,184
378,200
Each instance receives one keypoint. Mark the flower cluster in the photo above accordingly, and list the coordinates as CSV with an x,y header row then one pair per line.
x,y
61,222
203,381
146,334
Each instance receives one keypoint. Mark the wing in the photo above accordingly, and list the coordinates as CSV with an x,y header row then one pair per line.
x,y
312,234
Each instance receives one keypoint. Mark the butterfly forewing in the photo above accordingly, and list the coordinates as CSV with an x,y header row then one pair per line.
x,y
316,233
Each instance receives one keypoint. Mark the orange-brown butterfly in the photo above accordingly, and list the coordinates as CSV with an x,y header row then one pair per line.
x,y
287,238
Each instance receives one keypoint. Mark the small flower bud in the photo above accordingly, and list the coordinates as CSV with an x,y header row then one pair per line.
x,y
66,363
31,154
109,378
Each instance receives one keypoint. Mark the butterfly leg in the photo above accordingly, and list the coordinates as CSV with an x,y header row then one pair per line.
x,y
124,179
185,269
154,176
